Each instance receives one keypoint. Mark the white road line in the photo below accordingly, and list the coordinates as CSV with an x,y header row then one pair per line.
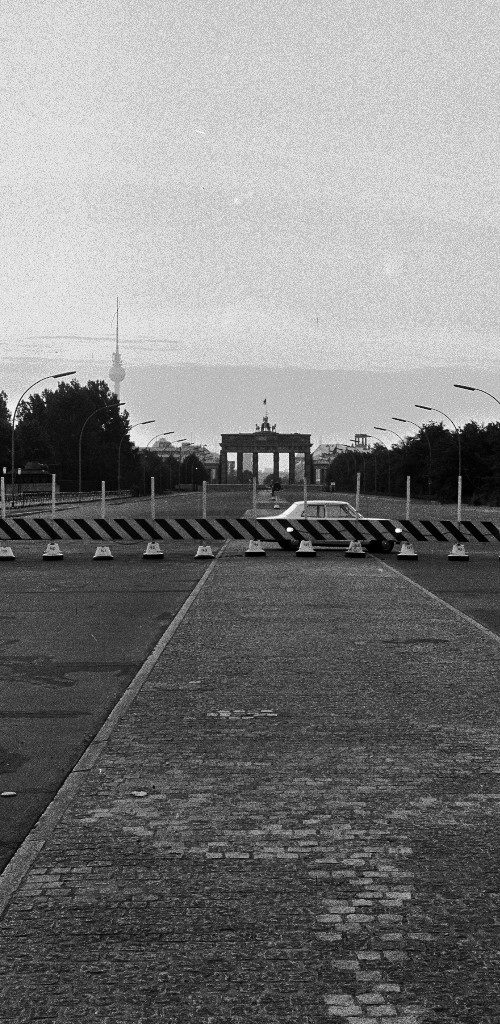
x,y
16,870
456,611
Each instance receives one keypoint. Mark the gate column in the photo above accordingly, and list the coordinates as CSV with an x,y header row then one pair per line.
x,y
223,467
291,467
276,465
239,467
308,466
255,464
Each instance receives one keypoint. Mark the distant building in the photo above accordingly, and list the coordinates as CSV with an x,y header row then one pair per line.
x,y
266,440
165,449
322,456
361,441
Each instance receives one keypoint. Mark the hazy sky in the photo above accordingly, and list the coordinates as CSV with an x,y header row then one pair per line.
x,y
260,182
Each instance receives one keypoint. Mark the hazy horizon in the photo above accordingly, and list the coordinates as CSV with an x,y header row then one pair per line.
x,y
201,402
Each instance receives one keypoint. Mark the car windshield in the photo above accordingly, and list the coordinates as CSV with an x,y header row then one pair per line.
x,y
324,510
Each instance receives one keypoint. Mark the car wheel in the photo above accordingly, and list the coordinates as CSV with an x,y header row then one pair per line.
x,y
289,545
380,547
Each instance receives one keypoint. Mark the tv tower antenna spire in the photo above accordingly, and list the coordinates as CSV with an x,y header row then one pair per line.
x,y
117,372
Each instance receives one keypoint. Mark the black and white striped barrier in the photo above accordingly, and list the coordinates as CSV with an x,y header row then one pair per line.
x,y
356,535
38,528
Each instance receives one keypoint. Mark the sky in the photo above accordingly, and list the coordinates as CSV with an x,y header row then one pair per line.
x,y
272,184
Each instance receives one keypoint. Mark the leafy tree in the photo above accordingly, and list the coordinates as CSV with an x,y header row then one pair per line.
x,y
5,431
164,471
49,427
430,458
193,471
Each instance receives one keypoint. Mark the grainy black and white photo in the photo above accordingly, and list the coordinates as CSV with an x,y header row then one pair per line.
x,y
249,512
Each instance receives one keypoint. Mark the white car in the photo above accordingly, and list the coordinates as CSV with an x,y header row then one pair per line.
x,y
322,512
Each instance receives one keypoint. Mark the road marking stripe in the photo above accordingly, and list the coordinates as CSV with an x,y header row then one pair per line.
x,y
19,865
445,604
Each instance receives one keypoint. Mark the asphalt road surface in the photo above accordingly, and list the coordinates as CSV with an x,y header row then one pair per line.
x,y
472,587
73,634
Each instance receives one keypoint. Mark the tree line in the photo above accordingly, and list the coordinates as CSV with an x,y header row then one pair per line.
x,y
430,458
48,429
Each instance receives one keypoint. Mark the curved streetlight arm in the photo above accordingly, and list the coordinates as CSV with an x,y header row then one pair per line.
x,y
466,387
489,395
51,376
140,423
431,408
101,408
403,439
389,431
380,440
163,434
399,419
389,450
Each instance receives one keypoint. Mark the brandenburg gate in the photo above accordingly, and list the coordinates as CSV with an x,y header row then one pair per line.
x,y
265,439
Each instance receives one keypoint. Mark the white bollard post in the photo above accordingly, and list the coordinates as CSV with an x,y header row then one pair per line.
x,y
459,500
204,499
254,495
2,485
408,479
153,510
53,500
358,489
103,499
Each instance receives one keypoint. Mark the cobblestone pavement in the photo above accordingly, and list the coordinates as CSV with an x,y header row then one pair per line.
x,y
295,821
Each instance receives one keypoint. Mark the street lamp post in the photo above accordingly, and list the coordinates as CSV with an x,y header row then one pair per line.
x,y
155,438
374,457
353,452
386,430
430,408
94,413
52,376
358,480
181,440
419,425
467,387
389,431
142,423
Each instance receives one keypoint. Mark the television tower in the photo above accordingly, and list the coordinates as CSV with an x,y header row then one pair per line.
x,y
117,372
